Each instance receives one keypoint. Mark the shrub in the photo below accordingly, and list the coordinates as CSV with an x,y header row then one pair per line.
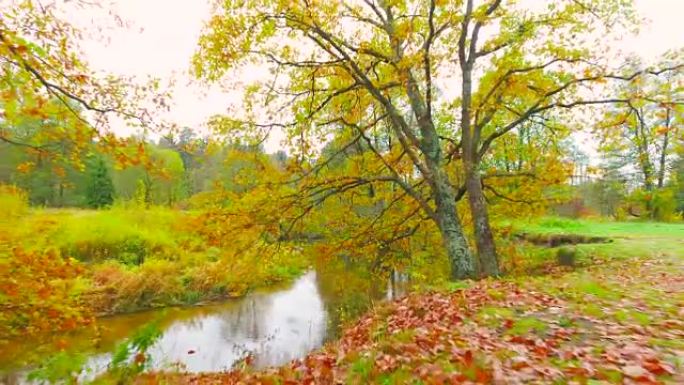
x,y
39,293
664,205
13,201
660,205
110,235
120,288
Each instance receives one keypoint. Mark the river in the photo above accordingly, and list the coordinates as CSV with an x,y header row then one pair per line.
x,y
274,326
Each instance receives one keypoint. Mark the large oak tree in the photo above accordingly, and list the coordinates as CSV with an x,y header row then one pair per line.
x,y
441,80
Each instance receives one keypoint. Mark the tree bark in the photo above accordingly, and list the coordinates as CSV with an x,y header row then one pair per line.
x,y
663,153
462,263
484,238
460,259
470,138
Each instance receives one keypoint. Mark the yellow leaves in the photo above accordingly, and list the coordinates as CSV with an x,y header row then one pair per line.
x,y
26,167
516,86
365,47
662,130
402,31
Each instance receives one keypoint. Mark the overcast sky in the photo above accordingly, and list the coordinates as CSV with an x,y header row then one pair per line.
x,y
163,36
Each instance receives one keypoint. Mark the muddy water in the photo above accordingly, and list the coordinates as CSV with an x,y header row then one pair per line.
x,y
274,326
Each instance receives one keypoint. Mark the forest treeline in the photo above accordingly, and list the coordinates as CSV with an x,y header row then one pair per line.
x,y
177,170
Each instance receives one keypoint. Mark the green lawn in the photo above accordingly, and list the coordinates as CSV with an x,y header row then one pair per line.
x,y
627,240
605,228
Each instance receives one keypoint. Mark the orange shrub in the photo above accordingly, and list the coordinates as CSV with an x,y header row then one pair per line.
x,y
39,293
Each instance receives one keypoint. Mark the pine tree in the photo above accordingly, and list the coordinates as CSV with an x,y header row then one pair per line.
x,y
100,189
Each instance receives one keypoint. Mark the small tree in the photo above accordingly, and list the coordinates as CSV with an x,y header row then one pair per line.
x,y
100,189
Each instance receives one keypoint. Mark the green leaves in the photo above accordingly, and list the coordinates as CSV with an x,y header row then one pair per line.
x,y
136,348
61,367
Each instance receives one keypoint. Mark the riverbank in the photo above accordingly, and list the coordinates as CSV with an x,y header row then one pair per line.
x,y
616,318
61,268
273,325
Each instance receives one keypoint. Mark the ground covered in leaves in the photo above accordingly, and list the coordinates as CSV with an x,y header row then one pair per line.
x,y
616,321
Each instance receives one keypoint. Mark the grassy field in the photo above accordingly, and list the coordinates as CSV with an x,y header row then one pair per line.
x,y
596,227
626,240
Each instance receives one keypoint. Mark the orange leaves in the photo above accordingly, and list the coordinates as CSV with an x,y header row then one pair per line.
x,y
26,167
139,358
20,49
59,171
662,130
44,292
141,149
658,367
61,344
81,78
39,287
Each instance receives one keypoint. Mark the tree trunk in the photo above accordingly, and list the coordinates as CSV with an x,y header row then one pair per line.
x,y
487,263
663,153
663,163
61,194
460,259
484,239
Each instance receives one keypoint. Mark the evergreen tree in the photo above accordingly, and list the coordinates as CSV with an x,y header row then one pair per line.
x,y
100,189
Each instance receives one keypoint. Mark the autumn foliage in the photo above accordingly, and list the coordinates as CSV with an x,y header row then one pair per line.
x,y
416,136
39,293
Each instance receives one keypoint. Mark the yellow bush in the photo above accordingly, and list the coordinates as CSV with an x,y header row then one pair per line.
x,y
13,201
119,288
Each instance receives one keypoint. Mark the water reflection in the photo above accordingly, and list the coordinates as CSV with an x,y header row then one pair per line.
x,y
274,327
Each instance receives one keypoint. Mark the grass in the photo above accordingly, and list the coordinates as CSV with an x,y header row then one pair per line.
x,y
526,326
633,239
134,258
604,228
126,235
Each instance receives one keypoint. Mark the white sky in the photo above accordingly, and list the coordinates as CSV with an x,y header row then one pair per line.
x,y
164,34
